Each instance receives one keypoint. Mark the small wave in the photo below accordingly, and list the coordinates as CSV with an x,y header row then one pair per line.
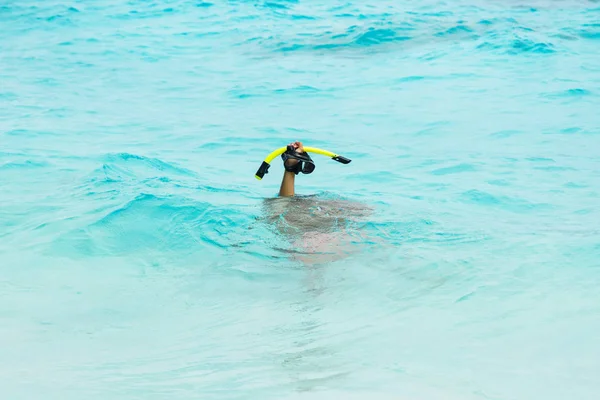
x,y
132,161
520,45
488,46
456,169
575,185
571,130
411,78
276,5
498,21
298,91
110,173
378,36
352,38
124,170
23,164
456,30
58,19
432,14
151,223
143,14
578,92
9,96
565,36
574,93
506,133
540,159
297,17
453,238
433,55
590,31
303,91
245,93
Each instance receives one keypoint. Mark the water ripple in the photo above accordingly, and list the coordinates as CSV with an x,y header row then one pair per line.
x,y
141,258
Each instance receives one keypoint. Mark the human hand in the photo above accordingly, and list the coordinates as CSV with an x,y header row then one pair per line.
x,y
297,146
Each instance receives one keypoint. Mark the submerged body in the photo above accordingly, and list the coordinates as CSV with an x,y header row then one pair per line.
x,y
318,228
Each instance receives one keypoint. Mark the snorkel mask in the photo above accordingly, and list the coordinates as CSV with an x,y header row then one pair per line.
x,y
305,164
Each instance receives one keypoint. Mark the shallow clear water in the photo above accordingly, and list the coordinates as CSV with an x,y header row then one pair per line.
x,y
140,259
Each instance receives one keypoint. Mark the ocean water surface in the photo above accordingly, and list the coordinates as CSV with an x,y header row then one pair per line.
x,y
456,257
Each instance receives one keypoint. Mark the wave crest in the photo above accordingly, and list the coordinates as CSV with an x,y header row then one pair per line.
x,y
151,224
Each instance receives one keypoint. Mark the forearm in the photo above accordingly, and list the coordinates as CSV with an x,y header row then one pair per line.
x,y
287,184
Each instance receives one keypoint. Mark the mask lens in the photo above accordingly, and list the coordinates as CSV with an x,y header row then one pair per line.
x,y
307,168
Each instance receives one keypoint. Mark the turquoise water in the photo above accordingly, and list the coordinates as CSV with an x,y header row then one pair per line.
x,y
456,257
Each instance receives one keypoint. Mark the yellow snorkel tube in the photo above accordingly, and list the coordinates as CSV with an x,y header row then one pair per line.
x,y
264,167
